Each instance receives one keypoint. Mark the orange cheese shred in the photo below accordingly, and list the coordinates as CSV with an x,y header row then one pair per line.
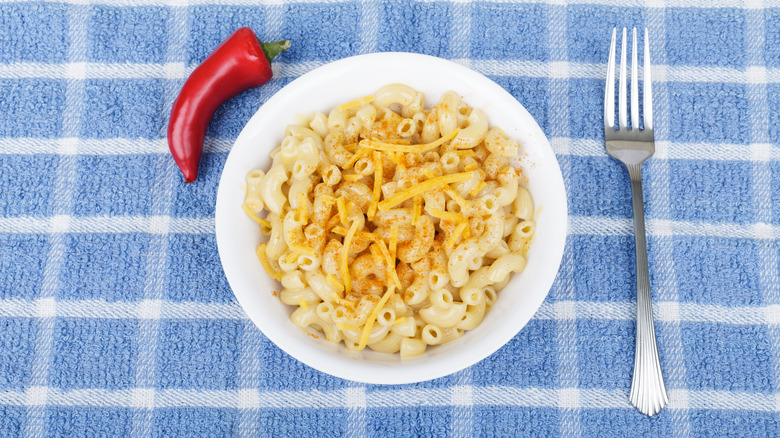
x,y
251,214
345,255
372,317
260,251
424,186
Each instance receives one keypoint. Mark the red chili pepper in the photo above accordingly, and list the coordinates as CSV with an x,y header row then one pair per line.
x,y
239,63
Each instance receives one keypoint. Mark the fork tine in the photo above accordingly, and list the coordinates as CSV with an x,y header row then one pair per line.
x,y
648,92
634,87
622,91
609,89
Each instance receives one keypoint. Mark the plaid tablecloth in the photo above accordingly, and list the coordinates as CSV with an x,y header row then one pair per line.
x,y
116,318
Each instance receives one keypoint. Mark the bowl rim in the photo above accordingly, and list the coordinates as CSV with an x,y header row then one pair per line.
x,y
405,371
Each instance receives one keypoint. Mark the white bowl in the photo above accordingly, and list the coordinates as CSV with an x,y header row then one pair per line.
x,y
342,81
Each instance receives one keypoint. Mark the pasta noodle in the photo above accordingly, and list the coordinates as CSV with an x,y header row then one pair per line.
x,y
392,226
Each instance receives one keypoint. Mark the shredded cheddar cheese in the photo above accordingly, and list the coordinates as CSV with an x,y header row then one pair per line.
x,y
392,157
334,282
477,188
372,317
390,262
342,208
447,215
455,235
329,199
298,249
344,302
345,256
340,230
353,159
303,207
393,241
344,326
365,235
393,251
417,207
251,214
260,251
390,147
380,166
376,253
456,197
355,103
423,187
377,191
352,177
398,141
401,167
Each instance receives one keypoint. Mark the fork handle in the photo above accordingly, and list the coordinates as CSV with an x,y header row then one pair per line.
x,y
648,392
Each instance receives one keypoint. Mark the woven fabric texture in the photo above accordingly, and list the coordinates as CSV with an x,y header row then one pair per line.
x,y
116,318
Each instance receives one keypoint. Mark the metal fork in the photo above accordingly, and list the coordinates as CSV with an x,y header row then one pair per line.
x,y
632,147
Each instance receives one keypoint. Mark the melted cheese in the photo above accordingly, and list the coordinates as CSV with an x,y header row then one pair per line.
x,y
337,299
260,251
302,303
343,326
291,256
334,282
251,214
355,103
423,187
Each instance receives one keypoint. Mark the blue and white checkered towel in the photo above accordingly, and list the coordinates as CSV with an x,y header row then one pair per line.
x,y
115,316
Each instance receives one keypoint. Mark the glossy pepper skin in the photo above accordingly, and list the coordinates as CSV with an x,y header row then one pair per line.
x,y
239,63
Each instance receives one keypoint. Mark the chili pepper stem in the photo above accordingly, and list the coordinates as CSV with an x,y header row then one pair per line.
x,y
274,48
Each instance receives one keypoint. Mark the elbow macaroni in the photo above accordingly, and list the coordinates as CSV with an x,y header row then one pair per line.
x,y
392,276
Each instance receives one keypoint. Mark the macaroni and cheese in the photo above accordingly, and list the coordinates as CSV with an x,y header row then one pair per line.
x,y
391,225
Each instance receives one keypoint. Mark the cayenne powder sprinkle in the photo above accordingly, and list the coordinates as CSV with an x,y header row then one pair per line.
x,y
239,63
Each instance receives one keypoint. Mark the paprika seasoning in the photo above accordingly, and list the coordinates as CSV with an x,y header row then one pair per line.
x,y
239,63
